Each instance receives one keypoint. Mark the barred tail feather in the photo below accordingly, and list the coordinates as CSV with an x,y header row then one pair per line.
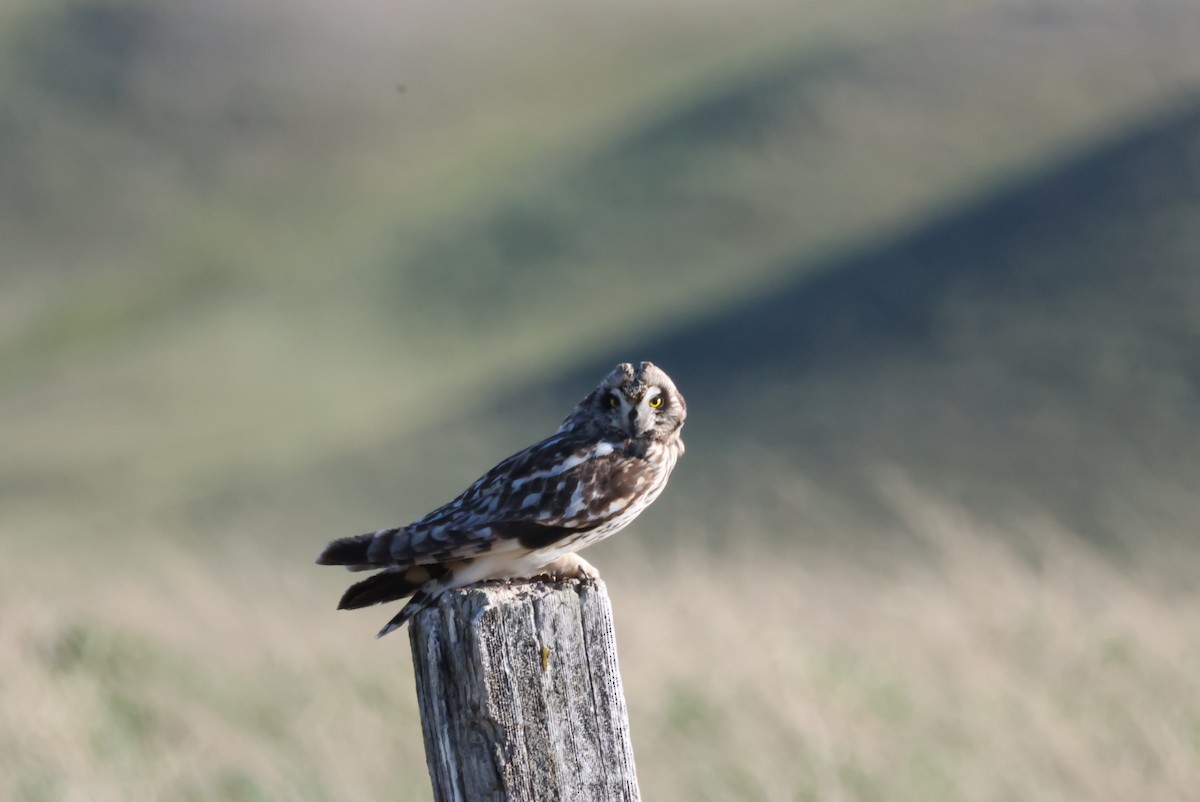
x,y
391,584
361,552
385,586
420,600
346,551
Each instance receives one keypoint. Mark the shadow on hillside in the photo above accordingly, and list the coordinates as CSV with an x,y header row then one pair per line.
x,y
889,298
1036,351
1027,345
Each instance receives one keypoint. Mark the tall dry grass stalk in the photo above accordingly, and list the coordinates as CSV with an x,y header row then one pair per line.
x,y
965,670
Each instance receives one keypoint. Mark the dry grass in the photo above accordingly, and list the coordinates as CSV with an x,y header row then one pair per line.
x,y
979,674
963,671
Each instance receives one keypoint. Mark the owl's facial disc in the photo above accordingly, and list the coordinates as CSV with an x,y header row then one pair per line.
x,y
631,402
636,408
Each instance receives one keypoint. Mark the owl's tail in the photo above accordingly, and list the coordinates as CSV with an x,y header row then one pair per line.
x,y
373,550
422,598
423,582
360,552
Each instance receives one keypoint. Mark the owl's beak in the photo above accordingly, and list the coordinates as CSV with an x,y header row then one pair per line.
x,y
638,422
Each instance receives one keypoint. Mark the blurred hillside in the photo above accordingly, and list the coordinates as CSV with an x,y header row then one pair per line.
x,y
307,259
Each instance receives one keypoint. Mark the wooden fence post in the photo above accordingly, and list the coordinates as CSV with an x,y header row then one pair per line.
x,y
520,694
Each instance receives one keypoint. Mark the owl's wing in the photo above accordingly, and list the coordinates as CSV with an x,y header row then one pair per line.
x,y
558,486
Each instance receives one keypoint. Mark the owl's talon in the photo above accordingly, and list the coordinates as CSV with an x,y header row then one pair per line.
x,y
569,566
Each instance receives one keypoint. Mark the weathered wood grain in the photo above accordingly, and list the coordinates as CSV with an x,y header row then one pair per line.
x,y
521,696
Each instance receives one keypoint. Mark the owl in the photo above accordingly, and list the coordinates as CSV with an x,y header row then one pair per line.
x,y
529,515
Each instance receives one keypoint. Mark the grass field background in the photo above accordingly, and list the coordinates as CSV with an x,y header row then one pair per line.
x,y
925,272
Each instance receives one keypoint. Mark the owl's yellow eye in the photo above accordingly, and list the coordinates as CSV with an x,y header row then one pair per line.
x,y
656,402
612,402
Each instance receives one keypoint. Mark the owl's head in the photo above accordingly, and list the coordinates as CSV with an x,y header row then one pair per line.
x,y
632,402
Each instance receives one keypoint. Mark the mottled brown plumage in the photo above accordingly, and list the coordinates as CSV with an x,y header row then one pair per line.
x,y
610,458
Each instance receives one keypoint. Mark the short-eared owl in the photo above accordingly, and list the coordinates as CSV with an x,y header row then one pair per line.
x,y
529,515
